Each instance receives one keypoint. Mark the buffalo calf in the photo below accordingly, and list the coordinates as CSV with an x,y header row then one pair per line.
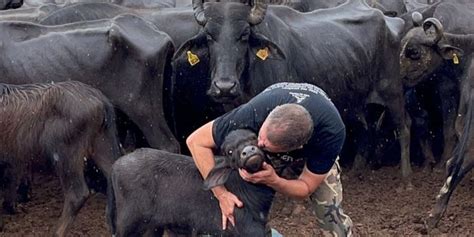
x,y
154,190
69,125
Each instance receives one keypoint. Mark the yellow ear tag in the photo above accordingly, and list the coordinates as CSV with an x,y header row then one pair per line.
x,y
193,59
455,59
263,53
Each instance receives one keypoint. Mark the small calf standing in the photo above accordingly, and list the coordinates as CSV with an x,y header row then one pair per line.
x,y
153,190
68,124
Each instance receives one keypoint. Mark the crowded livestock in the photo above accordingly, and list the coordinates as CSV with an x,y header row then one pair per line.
x,y
124,57
169,70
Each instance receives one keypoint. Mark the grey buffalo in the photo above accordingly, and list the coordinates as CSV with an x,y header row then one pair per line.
x,y
67,124
125,58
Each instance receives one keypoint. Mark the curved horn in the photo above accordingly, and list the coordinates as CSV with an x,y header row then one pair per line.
x,y
257,13
417,18
437,25
199,12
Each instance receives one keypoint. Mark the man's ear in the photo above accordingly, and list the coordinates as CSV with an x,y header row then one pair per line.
x,y
263,48
196,43
219,174
449,52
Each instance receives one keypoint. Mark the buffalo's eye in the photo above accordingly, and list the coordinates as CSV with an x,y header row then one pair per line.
x,y
413,53
209,38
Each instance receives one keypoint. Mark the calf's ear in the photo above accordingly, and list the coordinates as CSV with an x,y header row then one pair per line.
x,y
218,175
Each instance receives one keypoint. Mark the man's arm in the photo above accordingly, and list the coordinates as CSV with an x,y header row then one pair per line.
x,y
300,188
200,143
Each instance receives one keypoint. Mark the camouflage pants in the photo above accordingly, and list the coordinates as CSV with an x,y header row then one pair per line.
x,y
326,203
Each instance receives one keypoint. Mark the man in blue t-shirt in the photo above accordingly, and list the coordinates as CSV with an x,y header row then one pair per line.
x,y
294,121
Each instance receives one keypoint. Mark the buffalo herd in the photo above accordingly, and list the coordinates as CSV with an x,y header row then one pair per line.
x,y
115,86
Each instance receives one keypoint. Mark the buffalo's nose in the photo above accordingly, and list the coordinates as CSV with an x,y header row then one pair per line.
x,y
248,151
252,159
225,85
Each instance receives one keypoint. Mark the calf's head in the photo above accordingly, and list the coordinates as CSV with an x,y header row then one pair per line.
x,y
239,150
424,49
230,42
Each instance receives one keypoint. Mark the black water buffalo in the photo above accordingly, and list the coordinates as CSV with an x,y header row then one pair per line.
x,y
462,161
67,124
189,107
125,57
436,60
155,190
349,51
430,54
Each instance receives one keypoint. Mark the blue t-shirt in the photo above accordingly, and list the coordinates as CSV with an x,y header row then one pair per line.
x,y
329,131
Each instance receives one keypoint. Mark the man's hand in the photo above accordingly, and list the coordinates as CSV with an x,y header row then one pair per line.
x,y
227,201
265,176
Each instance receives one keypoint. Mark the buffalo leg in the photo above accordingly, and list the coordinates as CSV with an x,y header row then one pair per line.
x,y
127,224
106,151
70,170
11,180
449,106
445,194
403,123
153,124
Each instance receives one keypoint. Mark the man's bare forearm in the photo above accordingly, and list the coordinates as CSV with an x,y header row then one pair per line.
x,y
300,188
200,144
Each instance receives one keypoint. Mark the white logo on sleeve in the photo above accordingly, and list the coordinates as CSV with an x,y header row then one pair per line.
x,y
299,96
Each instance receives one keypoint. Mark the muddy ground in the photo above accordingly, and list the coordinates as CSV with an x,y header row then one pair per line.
x,y
372,202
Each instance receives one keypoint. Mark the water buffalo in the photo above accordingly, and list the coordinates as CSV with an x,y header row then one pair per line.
x,y
153,190
349,51
67,124
431,56
126,58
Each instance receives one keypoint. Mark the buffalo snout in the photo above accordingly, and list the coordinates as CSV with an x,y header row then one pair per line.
x,y
224,90
252,159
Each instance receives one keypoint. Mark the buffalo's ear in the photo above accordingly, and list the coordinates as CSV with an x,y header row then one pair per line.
x,y
450,52
219,174
259,42
193,44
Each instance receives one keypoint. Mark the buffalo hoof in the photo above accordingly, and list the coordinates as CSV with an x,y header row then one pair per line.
x,y
431,222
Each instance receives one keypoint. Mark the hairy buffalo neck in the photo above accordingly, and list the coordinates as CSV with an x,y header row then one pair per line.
x,y
257,199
